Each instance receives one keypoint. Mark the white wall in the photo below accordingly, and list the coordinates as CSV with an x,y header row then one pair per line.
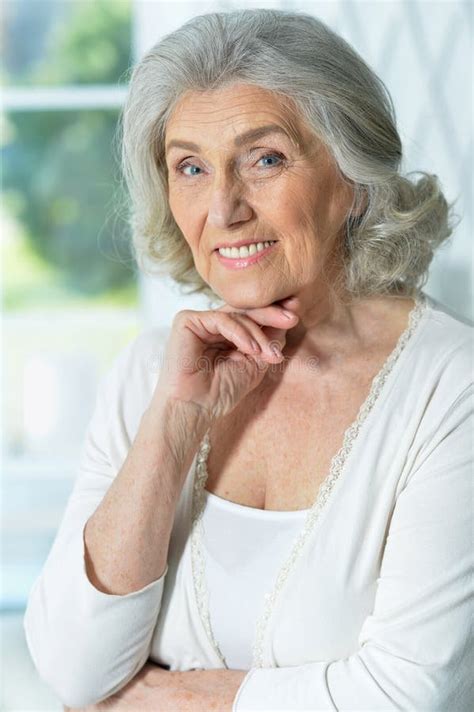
x,y
423,52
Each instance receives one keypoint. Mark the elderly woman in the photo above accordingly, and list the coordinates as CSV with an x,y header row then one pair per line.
x,y
273,506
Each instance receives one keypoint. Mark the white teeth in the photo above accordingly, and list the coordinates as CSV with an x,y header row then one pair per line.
x,y
245,251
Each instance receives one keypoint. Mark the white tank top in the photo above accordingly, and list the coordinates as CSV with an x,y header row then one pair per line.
x,y
244,549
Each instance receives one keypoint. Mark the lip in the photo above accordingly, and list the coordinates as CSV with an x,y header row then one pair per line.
x,y
242,262
240,243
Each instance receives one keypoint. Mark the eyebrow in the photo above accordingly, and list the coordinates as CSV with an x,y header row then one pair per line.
x,y
246,137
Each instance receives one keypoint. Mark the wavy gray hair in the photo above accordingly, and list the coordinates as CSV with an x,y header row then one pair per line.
x,y
389,246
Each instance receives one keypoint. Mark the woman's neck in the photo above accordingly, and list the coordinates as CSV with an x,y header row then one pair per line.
x,y
329,333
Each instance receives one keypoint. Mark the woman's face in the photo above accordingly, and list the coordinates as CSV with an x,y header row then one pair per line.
x,y
233,186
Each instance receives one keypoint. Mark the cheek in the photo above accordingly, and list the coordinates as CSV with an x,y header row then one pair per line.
x,y
184,215
177,205
279,207
291,201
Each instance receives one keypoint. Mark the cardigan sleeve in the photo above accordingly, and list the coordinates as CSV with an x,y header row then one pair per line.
x,y
87,644
416,647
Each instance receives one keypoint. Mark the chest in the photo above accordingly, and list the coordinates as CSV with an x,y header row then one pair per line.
x,y
274,453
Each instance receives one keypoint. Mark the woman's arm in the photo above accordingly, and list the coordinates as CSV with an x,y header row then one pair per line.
x,y
92,611
128,535
154,689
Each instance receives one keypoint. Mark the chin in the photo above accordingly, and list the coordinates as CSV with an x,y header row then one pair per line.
x,y
246,298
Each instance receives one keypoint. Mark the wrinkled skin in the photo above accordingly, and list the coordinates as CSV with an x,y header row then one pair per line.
x,y
278,187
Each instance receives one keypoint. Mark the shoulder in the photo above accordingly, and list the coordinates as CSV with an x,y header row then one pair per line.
x,y
445,346
449,321
141,357
437,376
128,384
436,406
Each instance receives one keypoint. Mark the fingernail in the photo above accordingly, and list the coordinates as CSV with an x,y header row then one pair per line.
x,y
255,345
288,314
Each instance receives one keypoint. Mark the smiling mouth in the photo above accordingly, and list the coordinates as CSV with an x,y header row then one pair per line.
x,y
248,250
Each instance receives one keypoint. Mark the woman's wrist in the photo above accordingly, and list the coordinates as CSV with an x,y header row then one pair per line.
x,y
184,421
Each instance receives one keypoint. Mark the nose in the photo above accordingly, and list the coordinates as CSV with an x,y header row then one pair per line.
x,y
227,204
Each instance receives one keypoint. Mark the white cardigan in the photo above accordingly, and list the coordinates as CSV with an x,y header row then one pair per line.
x,y
371,612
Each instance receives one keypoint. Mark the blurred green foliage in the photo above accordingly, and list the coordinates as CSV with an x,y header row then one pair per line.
x,y
61,182
92,47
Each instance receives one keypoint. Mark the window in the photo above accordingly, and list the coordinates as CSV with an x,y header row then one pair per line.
x,y
70,285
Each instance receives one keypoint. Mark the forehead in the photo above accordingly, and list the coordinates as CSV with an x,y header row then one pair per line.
x,y
229,112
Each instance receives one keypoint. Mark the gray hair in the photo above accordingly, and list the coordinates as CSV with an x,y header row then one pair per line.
x,y
389,246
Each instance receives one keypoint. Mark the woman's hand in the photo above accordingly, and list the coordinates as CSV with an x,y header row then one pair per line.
x,y
214,358
155,689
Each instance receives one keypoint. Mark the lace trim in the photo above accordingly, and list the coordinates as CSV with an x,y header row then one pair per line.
x,y
325,489
197,558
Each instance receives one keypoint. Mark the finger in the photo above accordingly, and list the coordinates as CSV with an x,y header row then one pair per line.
x,y
272,315
266,342
225,325
276,336
260,336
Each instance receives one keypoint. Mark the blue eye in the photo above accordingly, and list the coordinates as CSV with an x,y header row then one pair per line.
x,y
271,155
184,165
188,164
